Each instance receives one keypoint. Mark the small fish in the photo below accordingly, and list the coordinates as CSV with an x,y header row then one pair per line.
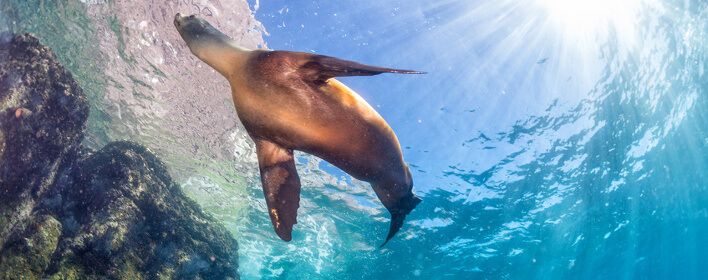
x,y
542,60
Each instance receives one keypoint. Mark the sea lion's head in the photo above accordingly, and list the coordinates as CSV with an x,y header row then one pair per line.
x,y
209,44
199,35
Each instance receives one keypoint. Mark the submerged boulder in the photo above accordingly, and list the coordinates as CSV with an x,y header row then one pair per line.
x,y
42,116
129,220
70,213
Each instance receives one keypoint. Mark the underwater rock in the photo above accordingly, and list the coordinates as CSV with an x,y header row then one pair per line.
x,y
34,146
129,220
70,213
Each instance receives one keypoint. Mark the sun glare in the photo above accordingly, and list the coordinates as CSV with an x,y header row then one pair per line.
x,y
590,18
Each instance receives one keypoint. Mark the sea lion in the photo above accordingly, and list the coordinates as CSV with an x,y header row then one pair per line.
x,y
290,101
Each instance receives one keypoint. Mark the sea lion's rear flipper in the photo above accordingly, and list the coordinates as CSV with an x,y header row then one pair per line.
x,y
398,198
319,68
399,211
281,186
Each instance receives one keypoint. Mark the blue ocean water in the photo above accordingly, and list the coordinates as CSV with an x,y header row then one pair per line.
x,y
548,140
541,153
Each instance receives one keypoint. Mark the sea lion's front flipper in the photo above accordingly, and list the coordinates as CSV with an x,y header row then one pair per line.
x,y
281,186
319,68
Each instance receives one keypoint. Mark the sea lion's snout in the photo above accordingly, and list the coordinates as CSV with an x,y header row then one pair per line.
x,y
195,31
180,20
193,28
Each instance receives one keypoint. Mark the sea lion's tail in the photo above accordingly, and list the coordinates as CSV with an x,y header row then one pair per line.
x,y
399,213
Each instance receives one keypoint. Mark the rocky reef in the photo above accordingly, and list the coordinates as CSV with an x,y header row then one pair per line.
x,y
67,212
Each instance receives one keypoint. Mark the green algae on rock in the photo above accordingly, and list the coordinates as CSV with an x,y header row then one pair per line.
x,y
30,252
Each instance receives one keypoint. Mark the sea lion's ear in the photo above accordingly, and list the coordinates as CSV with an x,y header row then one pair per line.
x,y
319,68
281,186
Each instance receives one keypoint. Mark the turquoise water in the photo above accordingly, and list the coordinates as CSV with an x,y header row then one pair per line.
x,y
545,143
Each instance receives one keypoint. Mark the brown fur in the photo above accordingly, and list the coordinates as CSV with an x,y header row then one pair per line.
x,y
290,101
326,119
